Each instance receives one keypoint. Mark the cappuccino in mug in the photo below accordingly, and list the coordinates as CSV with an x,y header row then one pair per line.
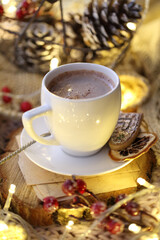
x,y
81,84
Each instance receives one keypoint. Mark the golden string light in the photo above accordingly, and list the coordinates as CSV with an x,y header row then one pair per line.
x,y
134,228
10,230
67,228
144,183
135,90
132,26
4,2
9,7
9,198
54,63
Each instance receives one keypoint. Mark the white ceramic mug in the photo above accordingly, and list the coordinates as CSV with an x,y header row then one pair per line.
x,y
81,126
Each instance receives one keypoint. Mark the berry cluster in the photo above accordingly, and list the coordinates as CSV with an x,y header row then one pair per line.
x,y
1,10
131,207
69,187
26,8
77,187
112,225
50,204
24,106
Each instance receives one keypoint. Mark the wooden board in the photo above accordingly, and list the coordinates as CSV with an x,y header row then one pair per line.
x,y
26,203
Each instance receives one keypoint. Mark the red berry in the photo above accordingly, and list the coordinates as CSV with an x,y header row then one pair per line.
x,y
25,4
20,14
69,187
81,186
50,204
25,106
6,99
1,10
114,226
76,200
132,208
97,208
119,198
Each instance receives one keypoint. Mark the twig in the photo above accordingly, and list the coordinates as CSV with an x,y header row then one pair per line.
x,y
9,31
119,58
84,199
30,21
3,160
63,23
92,194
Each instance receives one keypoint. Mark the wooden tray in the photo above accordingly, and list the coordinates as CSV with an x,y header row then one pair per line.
x,y
26,203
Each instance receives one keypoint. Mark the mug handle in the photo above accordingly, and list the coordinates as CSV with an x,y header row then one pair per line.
x,y
33,114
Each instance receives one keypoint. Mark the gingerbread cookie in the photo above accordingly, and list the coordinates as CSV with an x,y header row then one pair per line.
x,y
126,130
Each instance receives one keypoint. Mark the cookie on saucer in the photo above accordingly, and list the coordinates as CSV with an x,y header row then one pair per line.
x,y
126,130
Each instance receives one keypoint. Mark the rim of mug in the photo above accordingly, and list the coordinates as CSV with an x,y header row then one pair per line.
x,y
81,99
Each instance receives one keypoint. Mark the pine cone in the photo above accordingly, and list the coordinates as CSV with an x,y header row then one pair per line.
x,y
104,23
74,41
36,50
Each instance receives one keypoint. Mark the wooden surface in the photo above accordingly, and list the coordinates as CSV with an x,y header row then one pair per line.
x,y
29,206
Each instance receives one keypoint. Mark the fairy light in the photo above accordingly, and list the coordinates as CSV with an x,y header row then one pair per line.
x,y
131,26
11,9
9,198
67,228
134,228
11,231
144,183
54,63
12,188
3,226
141,181
5,1
8,229
154,237
97,121
69,225
134,90
127,99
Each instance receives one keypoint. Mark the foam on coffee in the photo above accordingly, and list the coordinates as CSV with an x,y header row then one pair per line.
x,y
81,84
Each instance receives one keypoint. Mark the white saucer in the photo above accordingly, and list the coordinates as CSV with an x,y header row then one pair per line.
x,y
53,159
